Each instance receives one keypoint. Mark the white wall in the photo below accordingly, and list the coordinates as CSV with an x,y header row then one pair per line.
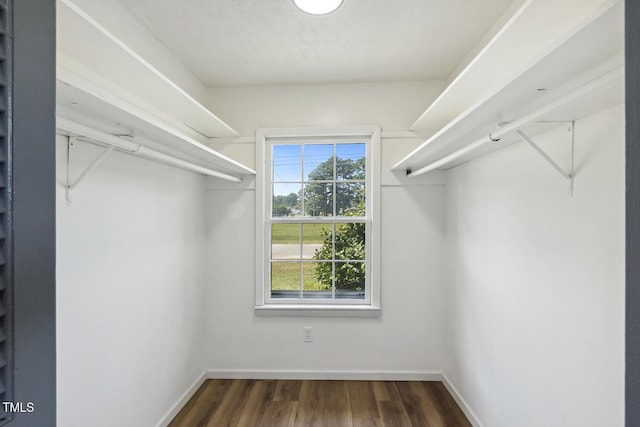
x,y
407,338
393,105
130,289
535,317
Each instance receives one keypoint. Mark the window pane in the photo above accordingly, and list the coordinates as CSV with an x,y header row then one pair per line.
x,y
350,277
285,241
317,241
350,199
318,199
350,163
287,163
285,276
318,181
318,162
286,199
316,279
350,242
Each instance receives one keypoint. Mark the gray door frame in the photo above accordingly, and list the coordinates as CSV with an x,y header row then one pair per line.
x,y
34,217
632,332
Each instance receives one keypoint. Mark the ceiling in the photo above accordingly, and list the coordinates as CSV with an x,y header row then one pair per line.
x,y
260,42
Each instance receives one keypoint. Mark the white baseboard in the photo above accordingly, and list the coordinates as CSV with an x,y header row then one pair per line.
x,y
326,375
171,414
473,418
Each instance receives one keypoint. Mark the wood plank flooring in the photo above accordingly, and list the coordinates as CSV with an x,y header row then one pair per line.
x,y
276,403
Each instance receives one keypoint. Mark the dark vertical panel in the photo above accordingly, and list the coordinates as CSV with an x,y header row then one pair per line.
x,y
33,118
632,45
6,275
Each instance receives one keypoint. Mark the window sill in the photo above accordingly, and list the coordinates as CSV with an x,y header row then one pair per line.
x,y
295,310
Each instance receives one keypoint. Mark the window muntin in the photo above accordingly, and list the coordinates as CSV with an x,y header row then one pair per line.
x,y
317,222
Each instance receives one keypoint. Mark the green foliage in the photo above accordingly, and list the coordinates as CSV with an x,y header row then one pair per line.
x,y
318,199
318,196
349,245
347,169
310,280
290,233
290,200
285,276
285,205
281,210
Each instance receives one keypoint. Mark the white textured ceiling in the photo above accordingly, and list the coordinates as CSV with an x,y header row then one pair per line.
x,y
254,42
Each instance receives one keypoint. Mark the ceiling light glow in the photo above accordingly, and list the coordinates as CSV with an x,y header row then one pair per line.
x,y
318,7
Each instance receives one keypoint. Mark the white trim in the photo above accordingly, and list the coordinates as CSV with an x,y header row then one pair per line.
x,y
384,134
399,134
466,409
182,401
367,130
325,375
310,310
372,301
261,146
373,196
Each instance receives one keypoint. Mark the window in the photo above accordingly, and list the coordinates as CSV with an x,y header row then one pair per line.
x,y
317,230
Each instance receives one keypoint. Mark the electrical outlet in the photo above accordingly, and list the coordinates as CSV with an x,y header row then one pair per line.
x,y
307,334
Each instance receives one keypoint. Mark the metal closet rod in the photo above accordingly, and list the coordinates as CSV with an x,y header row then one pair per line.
x,y
137,149
592,86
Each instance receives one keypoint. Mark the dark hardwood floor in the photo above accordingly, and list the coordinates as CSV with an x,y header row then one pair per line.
x,y
278,403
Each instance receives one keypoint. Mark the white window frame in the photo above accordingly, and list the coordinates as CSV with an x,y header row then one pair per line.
x,y
264,305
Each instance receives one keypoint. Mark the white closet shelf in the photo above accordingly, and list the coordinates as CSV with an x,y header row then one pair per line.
x,y
106,114
578,77
89,49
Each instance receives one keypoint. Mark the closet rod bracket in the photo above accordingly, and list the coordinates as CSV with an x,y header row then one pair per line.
x,y
568,176
70,186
